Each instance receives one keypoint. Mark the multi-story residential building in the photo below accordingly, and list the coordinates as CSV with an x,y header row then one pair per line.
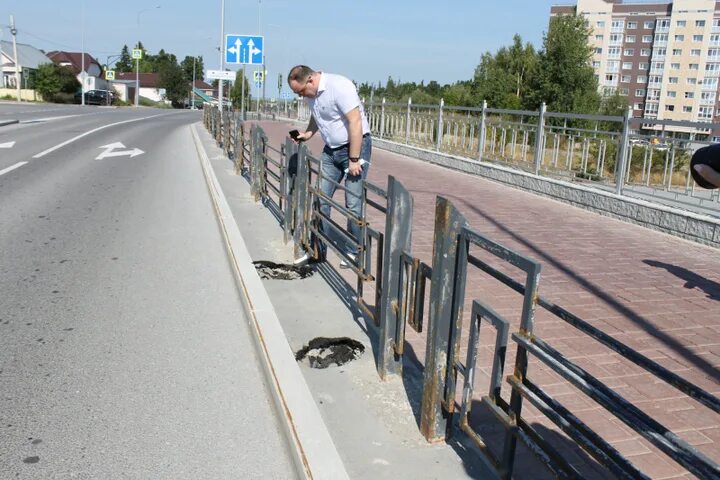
x,y
664,55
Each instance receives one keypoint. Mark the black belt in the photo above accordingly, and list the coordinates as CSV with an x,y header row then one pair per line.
x,y
335,149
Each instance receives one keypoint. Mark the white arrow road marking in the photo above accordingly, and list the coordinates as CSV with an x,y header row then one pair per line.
x,y
10,169
66,142
110,151
7,145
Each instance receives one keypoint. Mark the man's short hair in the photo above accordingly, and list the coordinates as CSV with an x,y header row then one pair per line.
x,y
299,73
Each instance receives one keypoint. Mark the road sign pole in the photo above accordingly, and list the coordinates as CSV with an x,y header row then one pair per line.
x,y
242,96
137,82
264,82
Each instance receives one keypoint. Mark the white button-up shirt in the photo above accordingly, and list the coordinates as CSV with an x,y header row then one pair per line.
x,y
336,96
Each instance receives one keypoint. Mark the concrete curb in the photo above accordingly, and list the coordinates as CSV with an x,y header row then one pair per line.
x,y
8,122
312,447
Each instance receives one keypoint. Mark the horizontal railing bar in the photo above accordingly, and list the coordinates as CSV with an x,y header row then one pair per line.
x,y
637,358
529,113
343,255
274,188
499,250
552,458
582,116
581,130
376,205
341,209
375,189
339,229
576,429
676,448
501,123
675,123
271,148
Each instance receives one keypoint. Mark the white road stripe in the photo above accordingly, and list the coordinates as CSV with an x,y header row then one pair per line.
x,y
67,142
10,169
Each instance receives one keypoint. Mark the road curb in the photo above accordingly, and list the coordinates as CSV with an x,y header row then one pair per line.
x,y
8,122
312,447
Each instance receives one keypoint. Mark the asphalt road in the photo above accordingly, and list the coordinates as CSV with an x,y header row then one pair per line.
x,y
124,352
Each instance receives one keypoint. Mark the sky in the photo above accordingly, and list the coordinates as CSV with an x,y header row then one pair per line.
x,y
365,40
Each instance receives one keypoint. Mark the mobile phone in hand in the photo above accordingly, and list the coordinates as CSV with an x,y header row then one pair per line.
x,y
294,134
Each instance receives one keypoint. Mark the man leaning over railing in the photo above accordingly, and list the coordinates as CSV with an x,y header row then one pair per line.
x,y
339,116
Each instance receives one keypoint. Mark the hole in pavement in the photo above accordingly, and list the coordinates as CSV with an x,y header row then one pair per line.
x,y
280,271
323,352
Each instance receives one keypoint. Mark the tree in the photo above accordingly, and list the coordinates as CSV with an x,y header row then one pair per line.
x,y
173,81
187,66
236,90
125,64
565,79
52,79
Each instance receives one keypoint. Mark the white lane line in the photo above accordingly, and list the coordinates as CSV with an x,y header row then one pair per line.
x,y
46,119
67,142
10,169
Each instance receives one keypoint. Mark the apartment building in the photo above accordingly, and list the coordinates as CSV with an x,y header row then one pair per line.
x,y
665,56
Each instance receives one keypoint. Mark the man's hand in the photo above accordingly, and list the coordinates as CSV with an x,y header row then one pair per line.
x,y
304,136
354,169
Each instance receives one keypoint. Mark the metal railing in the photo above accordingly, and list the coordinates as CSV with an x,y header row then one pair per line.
x,y
287,179
649,158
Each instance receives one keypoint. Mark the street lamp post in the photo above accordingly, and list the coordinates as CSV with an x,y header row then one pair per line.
x,y
13,31
222,54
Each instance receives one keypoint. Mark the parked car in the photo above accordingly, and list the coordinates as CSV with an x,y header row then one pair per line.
x,y
97,97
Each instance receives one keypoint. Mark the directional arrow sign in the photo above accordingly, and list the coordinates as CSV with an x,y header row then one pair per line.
x,y
110,151
7,145
244,49
235,49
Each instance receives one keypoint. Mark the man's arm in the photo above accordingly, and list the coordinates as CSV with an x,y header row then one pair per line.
x,y
311,129
355,140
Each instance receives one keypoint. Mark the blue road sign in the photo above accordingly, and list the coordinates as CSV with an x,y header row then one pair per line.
x,y
244,49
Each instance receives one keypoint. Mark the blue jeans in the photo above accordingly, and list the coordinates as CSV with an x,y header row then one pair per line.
x,y
333,163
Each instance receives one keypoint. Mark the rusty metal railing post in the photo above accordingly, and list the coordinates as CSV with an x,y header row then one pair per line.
x,y
300,198
398,234
448,223
288,176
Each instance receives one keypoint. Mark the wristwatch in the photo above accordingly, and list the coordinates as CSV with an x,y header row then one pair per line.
x,y
354,159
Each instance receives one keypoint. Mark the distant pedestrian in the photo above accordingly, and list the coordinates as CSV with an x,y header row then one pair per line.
x,y
339,116
705,166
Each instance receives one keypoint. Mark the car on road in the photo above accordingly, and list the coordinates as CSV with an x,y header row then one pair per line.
x,y
97,97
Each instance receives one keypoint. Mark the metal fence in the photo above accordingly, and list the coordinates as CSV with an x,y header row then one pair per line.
x,y
287,180
625,155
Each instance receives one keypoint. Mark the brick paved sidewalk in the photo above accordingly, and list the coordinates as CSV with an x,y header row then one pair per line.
x,y
658,294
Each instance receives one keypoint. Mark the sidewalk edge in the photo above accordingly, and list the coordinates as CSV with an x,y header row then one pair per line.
x,y
312,447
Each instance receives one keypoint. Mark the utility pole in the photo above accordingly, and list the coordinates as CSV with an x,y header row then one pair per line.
x,y
82,60
2,74
137,82
222,55
192,87
13,31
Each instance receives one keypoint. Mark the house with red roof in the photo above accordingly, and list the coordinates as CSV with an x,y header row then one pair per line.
x,y
91,76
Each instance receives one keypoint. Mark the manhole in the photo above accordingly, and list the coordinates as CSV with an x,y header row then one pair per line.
x,y
280,271
323,352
